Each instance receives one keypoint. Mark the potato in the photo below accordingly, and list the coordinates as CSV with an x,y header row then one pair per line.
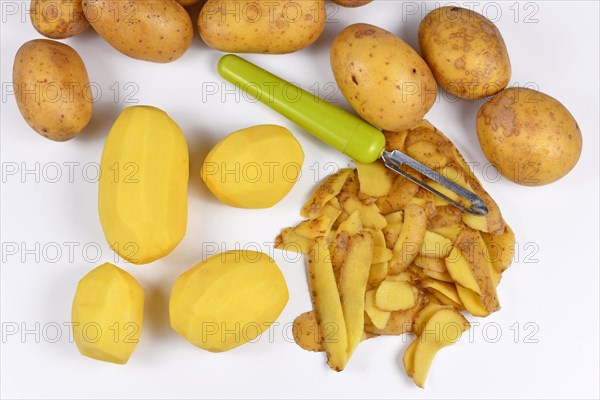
x,y
261,26
142,191
107,314
52,89
187,3
465,52
227,300
383,78
530,137
58,19
352,3
159,30
254,167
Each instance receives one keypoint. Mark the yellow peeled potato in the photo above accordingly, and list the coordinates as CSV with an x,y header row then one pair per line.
x,y
58,19
227,300
107,314
261,26
254,167
142,191
465,52
52,89
382,77
530,137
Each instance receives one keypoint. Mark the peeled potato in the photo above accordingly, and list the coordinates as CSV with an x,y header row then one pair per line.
x,y
227,300
254,167
107,314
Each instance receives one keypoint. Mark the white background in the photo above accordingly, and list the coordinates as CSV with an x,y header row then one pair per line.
x,y
553,285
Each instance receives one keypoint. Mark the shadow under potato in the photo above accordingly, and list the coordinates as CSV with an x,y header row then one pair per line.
x,y
103,117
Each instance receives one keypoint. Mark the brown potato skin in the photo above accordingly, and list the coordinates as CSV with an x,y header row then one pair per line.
x,y
158,30
187,3
261,26
465,51
530,137
43,67
352,3
58,19
382,77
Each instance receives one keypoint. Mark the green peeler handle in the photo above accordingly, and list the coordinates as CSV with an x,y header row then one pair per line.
x,y
345,132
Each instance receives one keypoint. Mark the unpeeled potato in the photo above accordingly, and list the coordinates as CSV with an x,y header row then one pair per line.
x,y
465,51
352,3
261,26
530,137
52,89
382,77
58,19
157,30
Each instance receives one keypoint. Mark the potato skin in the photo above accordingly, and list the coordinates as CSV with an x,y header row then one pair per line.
x,y
530,137
465,52
158,30
58,19
261,26
187,3
52,89
382,77
352,3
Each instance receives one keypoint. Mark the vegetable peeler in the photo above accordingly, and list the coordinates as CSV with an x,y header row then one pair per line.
x,y
338,128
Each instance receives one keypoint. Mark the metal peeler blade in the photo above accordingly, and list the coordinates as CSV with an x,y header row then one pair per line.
x,y
395,159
